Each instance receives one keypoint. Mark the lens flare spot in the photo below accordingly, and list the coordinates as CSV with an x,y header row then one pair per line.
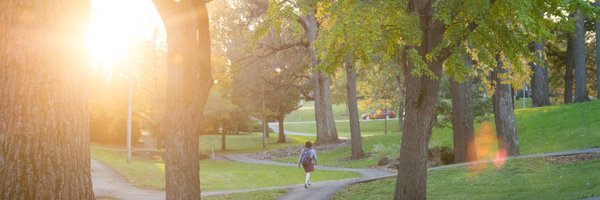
x,y
500,159
486,145
486,142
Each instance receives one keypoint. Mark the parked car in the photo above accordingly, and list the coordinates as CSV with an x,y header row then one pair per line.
x,y
378,114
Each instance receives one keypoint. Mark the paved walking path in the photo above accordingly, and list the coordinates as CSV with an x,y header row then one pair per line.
x,y
328,189
108,183
319,190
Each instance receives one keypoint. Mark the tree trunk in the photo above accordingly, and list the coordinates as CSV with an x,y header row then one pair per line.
x,y
506,125
401,109
265,126
462,119
189,82
401,82
326,131
223,139
421,97
44,130
539,83
597,54
569,68
579,51
357,150
281,138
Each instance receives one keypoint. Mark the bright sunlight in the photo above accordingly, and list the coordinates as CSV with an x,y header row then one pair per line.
x,y
115,26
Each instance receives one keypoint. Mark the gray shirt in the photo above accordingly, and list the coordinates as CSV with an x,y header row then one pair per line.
x,y
313,154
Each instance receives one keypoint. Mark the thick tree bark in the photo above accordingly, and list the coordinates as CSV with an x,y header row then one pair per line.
x,y
281,138
401,82
462,119
421,97
326,131
401,108
44,130
598,54
569,68
357,151
539,82
506,125
579,51
189,82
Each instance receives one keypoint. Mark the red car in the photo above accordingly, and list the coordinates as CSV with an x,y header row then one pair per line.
x,y
378,114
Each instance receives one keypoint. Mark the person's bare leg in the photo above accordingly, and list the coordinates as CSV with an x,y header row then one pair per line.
x,y
307,180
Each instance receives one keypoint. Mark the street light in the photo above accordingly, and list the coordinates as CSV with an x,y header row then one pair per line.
x,y
264,115
129,112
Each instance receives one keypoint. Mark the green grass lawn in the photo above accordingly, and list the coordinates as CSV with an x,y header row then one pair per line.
x,y
541,130
214,174
377,146
518,179
519,103
260,195
247,143
368,128
307,112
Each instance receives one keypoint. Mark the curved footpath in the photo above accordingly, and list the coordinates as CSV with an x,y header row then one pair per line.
x,y
319,190
108,183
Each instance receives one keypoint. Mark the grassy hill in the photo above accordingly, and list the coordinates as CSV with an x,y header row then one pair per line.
x,y
518,179
546,129
541,130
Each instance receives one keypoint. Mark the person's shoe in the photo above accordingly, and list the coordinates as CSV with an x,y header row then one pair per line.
x,y
305,186
308,184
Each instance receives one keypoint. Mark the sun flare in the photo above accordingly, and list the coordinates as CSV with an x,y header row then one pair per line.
x,y
115,26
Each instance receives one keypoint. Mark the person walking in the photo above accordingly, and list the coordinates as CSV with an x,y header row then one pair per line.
x,y
308,160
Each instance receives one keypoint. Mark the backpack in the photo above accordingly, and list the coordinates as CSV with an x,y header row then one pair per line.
x,y
306,158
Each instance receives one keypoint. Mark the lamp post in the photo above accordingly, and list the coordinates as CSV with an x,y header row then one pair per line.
x,y
264,115
524,93
385,115
129,112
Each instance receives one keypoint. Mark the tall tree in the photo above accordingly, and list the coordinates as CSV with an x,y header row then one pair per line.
x,y
540,86
581,94
188,85
462,118
421,98
44,137
343,42
598,53
285,99
569,69
304,12
357,151
442,26
402,88
326,131
506,124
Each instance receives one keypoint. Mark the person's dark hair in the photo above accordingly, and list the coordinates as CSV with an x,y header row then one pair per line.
x,y
308,144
